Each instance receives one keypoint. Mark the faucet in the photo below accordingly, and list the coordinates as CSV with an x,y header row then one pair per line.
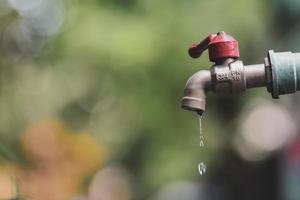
x,y
279,73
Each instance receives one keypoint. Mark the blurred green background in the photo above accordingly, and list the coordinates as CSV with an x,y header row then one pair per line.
x,y
113,72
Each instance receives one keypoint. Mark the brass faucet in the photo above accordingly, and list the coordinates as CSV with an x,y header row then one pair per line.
x,y
280,72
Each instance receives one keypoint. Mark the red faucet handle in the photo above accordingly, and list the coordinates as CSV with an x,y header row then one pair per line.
x,y
220,46
196,50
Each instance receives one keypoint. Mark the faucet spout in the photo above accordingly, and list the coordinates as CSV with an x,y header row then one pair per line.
x,y
194,98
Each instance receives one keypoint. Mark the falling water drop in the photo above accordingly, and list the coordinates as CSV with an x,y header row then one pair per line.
x,y
201,168
201,144
201,165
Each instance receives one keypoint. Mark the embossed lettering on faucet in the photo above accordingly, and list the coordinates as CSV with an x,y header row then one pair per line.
x,y
238,84
236,70
223,76
236,75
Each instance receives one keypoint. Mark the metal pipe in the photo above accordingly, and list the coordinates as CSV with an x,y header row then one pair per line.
x,y
285,69
195,91
255,76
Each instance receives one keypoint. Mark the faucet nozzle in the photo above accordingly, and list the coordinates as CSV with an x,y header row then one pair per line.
x,y
195,92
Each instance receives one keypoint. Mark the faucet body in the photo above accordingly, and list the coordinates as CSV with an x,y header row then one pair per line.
x,y
280,73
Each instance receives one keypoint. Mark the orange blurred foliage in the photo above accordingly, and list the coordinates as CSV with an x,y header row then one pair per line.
x,y
60,161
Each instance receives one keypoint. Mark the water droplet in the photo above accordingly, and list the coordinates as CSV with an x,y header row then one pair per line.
x,y
201,165
201,144
201,168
